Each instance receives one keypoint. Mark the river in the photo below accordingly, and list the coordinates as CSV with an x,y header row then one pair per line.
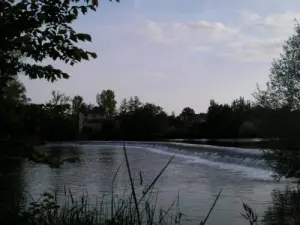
x,y
196,175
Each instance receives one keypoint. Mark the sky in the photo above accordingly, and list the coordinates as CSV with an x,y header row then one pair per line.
x,y
176,53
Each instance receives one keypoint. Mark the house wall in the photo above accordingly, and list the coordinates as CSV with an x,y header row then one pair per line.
x,y
91,120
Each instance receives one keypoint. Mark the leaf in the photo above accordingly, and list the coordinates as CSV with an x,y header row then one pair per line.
x,y
83,10
93,54
45,31
75,10
84,37
85,56
62,31
92,7
95,3
73,38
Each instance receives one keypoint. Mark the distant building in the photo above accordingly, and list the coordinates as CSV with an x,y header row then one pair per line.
x,y
92,120
201,117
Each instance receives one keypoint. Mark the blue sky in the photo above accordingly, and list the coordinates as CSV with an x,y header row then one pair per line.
x,y
176,53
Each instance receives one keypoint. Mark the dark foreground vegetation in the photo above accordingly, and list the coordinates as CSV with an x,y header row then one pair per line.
x,y
39,30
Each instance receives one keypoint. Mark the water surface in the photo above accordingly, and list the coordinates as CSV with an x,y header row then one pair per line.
x,y
197,173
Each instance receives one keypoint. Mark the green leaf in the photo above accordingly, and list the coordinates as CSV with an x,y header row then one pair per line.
x,y
73,38
65,75
95,3
84,37
62,31
93,54
85,56
45,31
75,10
83,10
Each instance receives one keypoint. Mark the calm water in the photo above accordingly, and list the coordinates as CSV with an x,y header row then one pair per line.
x,y
197,173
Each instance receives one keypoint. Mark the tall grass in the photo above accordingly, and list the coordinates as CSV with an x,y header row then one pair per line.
x,y
131,209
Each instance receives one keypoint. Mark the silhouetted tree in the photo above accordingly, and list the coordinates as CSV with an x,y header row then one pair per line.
x,y
107,101
123,109
59,98
283,87
15,92
134,104
77,104
187,113
38,30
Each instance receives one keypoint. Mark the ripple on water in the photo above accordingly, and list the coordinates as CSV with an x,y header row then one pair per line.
x,y
197,175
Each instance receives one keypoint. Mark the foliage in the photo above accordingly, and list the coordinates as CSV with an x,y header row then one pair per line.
x,y
36,31
283,88
106,100
279,107
250,215
187,113
12,100
77,104
141,120
285,208
15,92
59,98
39,30
285,162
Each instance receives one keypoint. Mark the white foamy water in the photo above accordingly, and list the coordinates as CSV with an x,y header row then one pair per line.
x,y
247,162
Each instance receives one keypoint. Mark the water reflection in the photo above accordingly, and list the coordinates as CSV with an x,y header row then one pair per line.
x,y
197,183
285,209
11,185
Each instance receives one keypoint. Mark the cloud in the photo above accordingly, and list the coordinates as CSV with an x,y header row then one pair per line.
x,y
187,32
199,36
155,32
254,49
215,30
266,46
241,43
250,17
200,48
281,23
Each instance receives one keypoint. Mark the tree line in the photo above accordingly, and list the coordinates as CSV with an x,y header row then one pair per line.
x,y
57,119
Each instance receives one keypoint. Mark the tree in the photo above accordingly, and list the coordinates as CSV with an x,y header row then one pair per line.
x,y
59,98
15,92
153,109
282,101
107,101
12,101
77,104
134,104
37,30
87,107
240,105
123,109
219,121
283,88
187,113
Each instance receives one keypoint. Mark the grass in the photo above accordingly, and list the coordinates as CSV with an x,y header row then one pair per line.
x,y
131,209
